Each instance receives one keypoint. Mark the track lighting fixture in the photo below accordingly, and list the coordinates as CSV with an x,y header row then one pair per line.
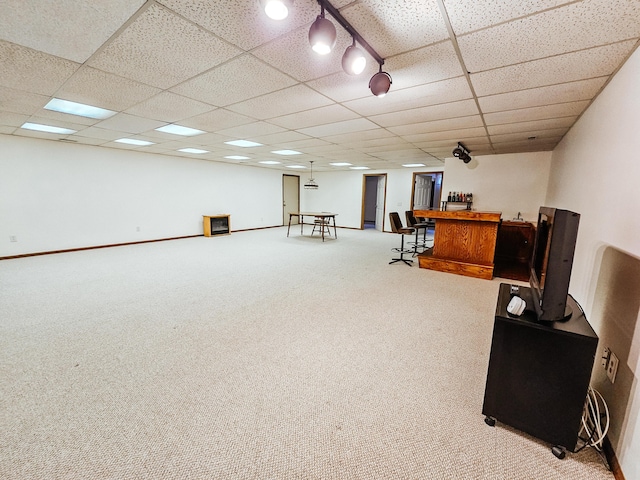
x,y
322,34
462,153
380,83
353,60
276,9
311,184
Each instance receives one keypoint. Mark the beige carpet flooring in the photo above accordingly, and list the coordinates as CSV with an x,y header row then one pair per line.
x,y
253,356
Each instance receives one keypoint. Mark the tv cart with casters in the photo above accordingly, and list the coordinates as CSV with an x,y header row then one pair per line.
x,y
539,373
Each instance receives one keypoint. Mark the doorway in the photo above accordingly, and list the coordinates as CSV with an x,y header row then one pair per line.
x,y
374,199
290,197
427,191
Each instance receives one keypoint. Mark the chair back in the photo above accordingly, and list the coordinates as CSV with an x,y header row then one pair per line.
x,y
411,219
396,223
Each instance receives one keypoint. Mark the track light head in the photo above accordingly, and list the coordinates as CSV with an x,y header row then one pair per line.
x,y
322,35
276,9
353,60
380,83
462,153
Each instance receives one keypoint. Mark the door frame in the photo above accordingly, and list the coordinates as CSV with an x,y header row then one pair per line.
x,y
285,221
364,195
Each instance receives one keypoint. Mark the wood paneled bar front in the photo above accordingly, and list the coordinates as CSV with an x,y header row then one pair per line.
x,y
464,242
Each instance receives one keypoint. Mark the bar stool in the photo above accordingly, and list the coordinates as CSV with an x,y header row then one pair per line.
x,y
396,227
413,222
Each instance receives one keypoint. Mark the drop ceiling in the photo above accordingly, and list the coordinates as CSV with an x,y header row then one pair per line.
x,y
501,76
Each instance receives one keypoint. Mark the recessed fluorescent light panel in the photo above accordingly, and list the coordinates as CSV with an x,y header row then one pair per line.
x,y
296,166
341,164
133,141
237,157
193,150
413,165
243,143
80,109
47,128
270,162
359,168
287,152
179,130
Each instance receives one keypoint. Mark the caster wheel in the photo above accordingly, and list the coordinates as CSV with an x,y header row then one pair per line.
x,y
559,452
490,421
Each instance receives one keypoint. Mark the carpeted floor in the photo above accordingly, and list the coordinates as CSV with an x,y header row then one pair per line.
x,y
253,356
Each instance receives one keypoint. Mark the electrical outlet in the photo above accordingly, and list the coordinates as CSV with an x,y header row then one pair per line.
x,y
13,238
137,229
612,368
605,357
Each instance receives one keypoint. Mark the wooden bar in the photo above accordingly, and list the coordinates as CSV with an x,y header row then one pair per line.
x,y
464,242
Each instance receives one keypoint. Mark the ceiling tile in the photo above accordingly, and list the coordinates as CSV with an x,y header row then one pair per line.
x,y
280,138
221,87
524,136
466,16
283,102
341,87
534,97
537,113
453,135
64,28
100,133
229,20
395,27
573,27
105,90
218,119
426,65
397,100
581,65
251,130
18,64
161,49
292,54
533,125
345,126
427,114
317,116
169,107
360,136
17,101
124,122
438,125
9,119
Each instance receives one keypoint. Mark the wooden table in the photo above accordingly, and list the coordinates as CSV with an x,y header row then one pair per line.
x,y
464,242
325,217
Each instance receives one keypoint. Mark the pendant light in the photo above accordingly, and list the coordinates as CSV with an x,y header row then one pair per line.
x,y
311,184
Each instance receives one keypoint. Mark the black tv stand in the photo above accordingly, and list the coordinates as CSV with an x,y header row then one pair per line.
x,y
539,373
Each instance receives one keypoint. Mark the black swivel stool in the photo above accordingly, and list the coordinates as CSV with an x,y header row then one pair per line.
x,y
413,222
397,227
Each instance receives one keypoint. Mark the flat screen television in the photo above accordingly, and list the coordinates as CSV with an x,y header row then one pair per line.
x,y
551,263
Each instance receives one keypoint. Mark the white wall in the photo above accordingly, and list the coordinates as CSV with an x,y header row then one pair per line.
x,y
341,192
56,196
595,171
501,183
